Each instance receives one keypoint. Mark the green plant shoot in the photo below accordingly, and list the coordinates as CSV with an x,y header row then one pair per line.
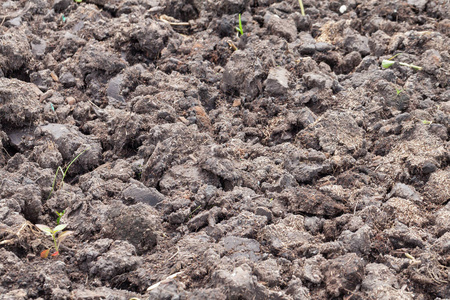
x,y
57,236
399,91
64,173
239,29
60,215
302,9
192,213
388,63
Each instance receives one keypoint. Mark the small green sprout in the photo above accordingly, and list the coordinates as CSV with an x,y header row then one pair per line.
x,y
78,1
399,91
302,9
64,173
57,235
192,213
414,261
60,215
409,256
425,122
239,29
387,63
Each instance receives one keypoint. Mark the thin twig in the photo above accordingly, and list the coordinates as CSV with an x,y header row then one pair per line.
x,y
172,21
164,280
178,250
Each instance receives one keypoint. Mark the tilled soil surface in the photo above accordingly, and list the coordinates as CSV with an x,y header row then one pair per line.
x,y
193,162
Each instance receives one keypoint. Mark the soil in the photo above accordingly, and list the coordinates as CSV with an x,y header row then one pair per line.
x,y
194,163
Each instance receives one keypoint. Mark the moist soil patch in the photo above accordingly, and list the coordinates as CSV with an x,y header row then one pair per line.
x,y
192,161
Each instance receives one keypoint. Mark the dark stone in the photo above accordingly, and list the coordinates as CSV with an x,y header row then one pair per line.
x,y
264,211
60,5
402,117
323,47
428,168
67,79
145,195
307,49
303,23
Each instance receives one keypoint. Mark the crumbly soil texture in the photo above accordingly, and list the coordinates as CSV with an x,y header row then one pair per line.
x,y
192,161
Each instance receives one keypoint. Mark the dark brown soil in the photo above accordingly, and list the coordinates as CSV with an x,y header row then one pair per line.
x,y
284,163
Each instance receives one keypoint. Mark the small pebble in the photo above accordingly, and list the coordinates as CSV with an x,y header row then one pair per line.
x,y
236,102
54,76
184,120
71,100
46,95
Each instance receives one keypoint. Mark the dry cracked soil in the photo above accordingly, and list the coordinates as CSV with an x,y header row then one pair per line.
x,y
193,162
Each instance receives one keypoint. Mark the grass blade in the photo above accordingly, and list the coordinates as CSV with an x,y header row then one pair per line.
x,y
302,9
67,169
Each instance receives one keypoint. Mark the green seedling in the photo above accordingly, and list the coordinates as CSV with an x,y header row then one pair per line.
x,y
64,173
414,261
57,235
239,29
387,63
425,122
192,213
399,91
78,1
302,9
60,215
